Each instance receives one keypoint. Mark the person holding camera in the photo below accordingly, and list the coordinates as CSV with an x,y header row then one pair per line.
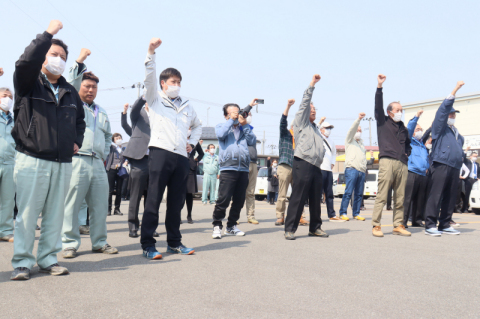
x,y
234,138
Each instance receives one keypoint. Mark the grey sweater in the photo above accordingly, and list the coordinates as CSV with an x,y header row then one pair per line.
x,y
308,141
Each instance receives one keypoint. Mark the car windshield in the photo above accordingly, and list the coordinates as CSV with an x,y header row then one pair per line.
x,y
371,178
263,172
341,179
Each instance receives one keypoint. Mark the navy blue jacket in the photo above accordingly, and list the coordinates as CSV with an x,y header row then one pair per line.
x,y
446,148
418,159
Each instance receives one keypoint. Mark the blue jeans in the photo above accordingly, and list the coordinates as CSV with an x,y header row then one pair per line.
x,y
355,181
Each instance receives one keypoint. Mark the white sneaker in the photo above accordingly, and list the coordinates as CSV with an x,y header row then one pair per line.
x,y
204,203
234,231
217,233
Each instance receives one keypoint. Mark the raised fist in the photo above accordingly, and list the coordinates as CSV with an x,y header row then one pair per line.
x,y
83,55
54,27
291,102
381,78
322,120
460,84
419,113
1,71
125,108
153,45
361,115
315,79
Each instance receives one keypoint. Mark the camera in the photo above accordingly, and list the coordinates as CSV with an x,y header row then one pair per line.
x,y
244,112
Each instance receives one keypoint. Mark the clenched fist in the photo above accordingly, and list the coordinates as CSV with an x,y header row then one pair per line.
x,y
84,53
315,79
322,120
381,78
457,87
54,27
419,113
291,102
125,108
1,71
153,45
361,115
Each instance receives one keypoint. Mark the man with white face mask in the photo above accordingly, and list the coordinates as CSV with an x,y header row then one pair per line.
x,y
210,175
447,157
7,161
417,180
170,119
394,145
48,130
328,163
355,169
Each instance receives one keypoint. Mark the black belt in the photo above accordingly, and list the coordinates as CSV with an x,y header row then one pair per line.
x,y
93,154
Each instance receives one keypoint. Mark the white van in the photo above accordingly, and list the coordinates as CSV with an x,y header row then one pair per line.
x,y
261,189
371,184
475,198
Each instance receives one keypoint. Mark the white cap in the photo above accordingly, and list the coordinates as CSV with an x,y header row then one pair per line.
x,y
325,124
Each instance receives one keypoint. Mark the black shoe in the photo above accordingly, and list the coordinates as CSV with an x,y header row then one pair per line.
x,y
306,205
117,212
181,221
389,208
318,233
133,234
406,226
155,234
109,213
289,236
189,220
420,224
37,228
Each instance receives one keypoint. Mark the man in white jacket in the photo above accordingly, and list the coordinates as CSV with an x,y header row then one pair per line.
x,y
328,164
170,120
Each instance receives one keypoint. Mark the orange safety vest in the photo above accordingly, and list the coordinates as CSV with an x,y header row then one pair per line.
x,y
293,138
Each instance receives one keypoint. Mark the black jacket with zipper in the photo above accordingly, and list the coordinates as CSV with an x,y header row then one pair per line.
x,y
44,128
393,140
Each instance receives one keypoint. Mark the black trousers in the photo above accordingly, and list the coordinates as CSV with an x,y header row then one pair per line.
x,y
232,187
415,196
468,189
306,184
138,188
389,198
115,183
166,169
441,192
189,202
125,188
327,185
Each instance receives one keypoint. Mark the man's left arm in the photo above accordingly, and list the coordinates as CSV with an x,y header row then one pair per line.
x,y
75,74
196,129
80,122
108,138
249,135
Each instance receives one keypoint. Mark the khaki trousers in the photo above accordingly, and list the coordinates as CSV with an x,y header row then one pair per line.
x,y
392,174
284,173
250,195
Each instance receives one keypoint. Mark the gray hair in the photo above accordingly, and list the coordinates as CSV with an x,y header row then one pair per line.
x,y
390,106
5,89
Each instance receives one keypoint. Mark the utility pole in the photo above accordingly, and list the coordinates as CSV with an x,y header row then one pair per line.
x,y
370,120
263,144
138,89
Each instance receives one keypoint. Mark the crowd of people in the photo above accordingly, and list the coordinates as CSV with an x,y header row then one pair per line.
x,y
59,152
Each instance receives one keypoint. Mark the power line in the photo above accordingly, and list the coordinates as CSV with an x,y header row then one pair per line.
x,y
26,14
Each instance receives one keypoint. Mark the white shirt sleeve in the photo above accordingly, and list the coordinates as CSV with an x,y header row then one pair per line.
x,y
451,97
465,170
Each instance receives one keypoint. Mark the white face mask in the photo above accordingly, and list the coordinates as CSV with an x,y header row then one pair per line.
x,y
55,65
418,134
397,117
172,91
428,146
450,121
358,135
212,151
327,132
474,159
6,103
249,119
119,142
274,164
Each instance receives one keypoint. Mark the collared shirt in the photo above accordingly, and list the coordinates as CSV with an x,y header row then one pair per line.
x,y
6,117
285,144
54,89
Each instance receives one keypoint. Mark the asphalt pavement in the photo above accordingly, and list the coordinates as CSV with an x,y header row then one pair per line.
x,y
351,274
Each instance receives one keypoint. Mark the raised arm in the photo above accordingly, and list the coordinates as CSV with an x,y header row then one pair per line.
x,y
302,118
126,127
136,109
200,152
75,74
151,72
353,129
283,121
379,111
412,124
28,67
441,117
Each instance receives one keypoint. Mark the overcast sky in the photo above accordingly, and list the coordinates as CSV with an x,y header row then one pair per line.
x,y
234,51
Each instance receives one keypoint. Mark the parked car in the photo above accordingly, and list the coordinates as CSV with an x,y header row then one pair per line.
x,y
371,185
261,189
340,186
475,198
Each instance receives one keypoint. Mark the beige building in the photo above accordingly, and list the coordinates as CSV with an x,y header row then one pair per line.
x,y
467,121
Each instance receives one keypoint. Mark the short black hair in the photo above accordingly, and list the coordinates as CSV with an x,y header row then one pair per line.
x,y
208,147
90,76
115,135
62,44
226,106
168,73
